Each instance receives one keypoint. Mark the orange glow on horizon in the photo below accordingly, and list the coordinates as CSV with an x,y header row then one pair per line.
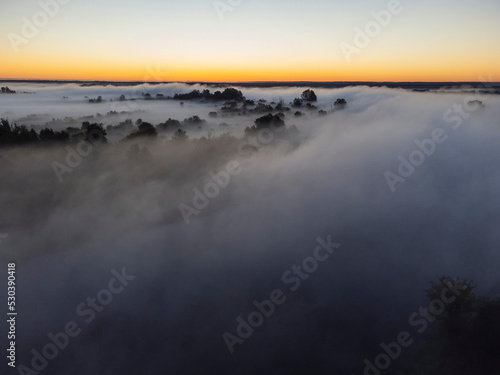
x,y
76,69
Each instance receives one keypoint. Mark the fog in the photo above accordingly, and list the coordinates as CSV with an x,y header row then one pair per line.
x,y
118,209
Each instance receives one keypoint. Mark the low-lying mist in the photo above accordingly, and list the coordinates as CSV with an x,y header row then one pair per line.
x,y
407,183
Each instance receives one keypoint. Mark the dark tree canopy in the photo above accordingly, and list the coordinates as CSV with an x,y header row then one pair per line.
x,y
50,136
297,102
16,135
270,120
169,124
193,120
467,339
179,135
145,130
266,122
228,94
309,96
94,132
262,108
97,100
6,90
195,94
340,103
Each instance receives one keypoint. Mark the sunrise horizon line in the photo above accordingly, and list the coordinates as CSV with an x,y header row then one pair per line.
x,y
232,81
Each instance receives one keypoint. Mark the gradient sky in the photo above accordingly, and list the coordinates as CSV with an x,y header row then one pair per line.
x,y
448,40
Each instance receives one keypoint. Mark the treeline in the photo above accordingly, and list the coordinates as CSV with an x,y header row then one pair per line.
x,y
20,135
6,90
228,94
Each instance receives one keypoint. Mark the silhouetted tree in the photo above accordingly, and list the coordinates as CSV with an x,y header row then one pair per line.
x,y
281,106
340,103
98,100
309,96
6,90
262,108
228,94
193,120
467,340
50,136
266,122
169,124
94,132
14,135
195,94
145,130
206,94
179,135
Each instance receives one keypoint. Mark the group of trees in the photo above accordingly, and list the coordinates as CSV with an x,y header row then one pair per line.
x,y
308,96
340,103
467,338
268,121
228,94
145,130
20,135
6,90
96,100
170,123
15,135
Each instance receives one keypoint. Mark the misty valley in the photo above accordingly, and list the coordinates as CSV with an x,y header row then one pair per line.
x,y
252,228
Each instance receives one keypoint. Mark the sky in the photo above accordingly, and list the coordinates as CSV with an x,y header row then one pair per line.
x,y
250,40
